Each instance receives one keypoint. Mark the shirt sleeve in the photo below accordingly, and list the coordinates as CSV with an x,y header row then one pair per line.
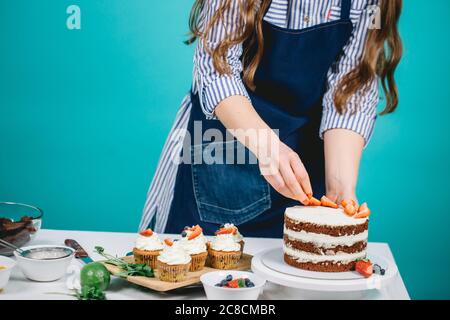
x,y
360,113
211,85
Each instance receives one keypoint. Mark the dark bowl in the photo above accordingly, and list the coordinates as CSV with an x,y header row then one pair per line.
x,y
19,223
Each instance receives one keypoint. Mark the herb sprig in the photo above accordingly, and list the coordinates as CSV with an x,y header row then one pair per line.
x,y
128,269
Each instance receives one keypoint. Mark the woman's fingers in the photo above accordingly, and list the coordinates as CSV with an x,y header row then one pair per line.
x,y
292,183
301,174
277,182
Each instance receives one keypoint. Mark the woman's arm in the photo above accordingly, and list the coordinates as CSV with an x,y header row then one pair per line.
x,y
224,96
343,150
345,134
279,164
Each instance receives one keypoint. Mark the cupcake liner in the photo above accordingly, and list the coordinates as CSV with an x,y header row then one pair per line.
x,y
198,261
224,259
147,257
172,273
242,243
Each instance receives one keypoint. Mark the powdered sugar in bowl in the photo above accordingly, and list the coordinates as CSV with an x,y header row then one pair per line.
x,y
44,262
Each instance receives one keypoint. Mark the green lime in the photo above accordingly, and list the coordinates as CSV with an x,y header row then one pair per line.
x,y
95,275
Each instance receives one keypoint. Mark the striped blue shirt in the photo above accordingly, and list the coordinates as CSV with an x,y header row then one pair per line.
x,y
213,87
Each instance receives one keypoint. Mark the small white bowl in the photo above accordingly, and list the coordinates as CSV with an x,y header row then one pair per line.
x,y
210,279
44,270
9,264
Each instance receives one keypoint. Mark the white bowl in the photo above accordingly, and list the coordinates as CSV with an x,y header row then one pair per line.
x,y
5,273
210,279
44,270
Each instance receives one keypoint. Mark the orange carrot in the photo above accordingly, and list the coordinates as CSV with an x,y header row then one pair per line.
x,y
168,242
345,202
314,202
363,211
350,209
328,203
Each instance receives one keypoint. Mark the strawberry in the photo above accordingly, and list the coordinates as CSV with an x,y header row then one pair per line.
x,y
168,242
364,267
328,203
363,211
146,233
314,202
233,283
350,209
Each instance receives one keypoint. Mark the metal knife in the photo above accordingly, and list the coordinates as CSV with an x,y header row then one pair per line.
x,y
80,253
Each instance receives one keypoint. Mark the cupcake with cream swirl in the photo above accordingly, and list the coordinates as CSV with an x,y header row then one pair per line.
x,y
147,248
224,252
194,243
231,228
173,263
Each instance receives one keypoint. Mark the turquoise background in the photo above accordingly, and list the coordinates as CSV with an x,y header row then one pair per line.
x,y
84,115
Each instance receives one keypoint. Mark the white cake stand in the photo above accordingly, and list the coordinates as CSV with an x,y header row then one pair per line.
x,y
270,265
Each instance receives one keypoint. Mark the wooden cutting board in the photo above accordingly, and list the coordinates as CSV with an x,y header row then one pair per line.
x,y
192,277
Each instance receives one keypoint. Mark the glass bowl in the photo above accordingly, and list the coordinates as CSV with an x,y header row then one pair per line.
x,y
19,223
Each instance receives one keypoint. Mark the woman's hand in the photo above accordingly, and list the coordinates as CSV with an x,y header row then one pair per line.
x,y
343,149
280,165
285,172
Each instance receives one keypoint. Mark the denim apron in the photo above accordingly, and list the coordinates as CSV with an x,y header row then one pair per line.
x,y
290,83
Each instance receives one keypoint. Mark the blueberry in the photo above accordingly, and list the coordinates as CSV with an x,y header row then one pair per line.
x,y
382,272
247,281
176,239
223,283
229,277
377,269
184,234
218,284
250,284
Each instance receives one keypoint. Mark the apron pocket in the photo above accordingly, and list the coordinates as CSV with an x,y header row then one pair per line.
x,y
228,191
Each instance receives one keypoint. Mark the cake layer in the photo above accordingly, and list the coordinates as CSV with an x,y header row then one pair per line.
x,y
324,240
312,248
325,266
339,257
322,216
335,231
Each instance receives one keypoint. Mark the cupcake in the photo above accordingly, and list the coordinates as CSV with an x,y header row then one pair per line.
x,y
194,243
147,248
173,263
224,252
232,229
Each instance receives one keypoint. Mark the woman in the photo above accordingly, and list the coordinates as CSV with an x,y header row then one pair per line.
x,y
304,71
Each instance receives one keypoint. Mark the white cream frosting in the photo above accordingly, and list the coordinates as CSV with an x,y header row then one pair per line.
x,y
339,257
237,236
324,240
150,243
174,255
225,242
322,216
194,246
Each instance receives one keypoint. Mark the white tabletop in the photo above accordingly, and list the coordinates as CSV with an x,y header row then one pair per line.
x,y
20,288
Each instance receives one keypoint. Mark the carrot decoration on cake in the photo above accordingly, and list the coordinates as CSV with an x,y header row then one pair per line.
x,y
328,203
168,242
350,207
363,211
314,202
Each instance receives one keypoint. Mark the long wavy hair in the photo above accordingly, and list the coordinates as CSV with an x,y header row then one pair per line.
x,y
382,53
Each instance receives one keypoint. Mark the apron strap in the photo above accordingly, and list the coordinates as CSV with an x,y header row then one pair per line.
x,y
345,9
